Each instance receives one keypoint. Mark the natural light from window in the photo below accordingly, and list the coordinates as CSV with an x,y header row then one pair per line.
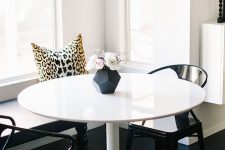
x,y
21,23
141,30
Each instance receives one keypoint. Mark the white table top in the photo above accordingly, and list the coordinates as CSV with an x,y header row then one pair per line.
x,y
137,97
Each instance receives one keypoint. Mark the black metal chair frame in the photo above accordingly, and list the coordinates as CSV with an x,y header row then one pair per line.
x,y
14,128
221,17
169,140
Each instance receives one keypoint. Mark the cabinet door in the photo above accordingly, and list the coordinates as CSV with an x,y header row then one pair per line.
x,y
212,60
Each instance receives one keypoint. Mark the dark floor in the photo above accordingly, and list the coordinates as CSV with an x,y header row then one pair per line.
x,y
96,139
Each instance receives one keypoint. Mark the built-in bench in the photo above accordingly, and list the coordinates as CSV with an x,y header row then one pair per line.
x,y
26,119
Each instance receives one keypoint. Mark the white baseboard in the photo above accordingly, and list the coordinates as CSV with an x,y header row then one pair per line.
x,y
46,140
206,133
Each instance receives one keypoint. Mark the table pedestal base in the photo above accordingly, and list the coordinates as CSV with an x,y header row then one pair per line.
x,y
112,136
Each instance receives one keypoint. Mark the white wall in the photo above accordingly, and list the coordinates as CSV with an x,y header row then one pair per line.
x,y
201,11
172,32
86,17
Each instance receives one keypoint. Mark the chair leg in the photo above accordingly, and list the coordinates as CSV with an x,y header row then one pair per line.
x,y
171,144
129,139
81,129
158,145
200,138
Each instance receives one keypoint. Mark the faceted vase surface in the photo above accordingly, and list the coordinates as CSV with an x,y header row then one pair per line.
x,y
106,80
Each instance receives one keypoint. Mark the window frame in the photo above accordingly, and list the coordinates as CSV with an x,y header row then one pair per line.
x,y
12,86
128,37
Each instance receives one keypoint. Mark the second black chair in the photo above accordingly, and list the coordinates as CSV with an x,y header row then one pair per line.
x,y
12,128
186,126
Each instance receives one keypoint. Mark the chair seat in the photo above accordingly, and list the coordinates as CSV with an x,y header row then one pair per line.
x,y
166,124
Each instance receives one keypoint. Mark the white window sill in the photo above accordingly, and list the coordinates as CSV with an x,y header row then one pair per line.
x,y
18,79
11,87
137,67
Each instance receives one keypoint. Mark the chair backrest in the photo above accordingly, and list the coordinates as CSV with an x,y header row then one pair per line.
x,y
187,72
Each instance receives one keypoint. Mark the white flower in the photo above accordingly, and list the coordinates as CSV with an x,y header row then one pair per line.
x,y
112,60
104,60
91,62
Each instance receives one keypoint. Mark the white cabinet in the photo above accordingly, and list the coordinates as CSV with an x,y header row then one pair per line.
x,y
212,60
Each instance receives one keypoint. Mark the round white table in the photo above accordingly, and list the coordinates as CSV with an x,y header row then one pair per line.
x,y
137,97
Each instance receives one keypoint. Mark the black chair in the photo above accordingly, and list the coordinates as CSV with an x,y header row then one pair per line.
x,y
13,128
186,126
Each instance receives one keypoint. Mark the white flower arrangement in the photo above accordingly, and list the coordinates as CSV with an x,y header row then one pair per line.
x,y
104,60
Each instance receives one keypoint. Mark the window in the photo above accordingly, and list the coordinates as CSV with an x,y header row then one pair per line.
x,y
141,30
21,23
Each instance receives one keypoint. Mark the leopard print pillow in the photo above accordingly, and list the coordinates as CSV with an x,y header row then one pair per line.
x,y
68,61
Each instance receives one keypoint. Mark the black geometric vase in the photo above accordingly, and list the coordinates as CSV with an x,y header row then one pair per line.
x,y
106,80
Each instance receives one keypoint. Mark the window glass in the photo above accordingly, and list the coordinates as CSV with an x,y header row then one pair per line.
x,y
21,23
141,30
